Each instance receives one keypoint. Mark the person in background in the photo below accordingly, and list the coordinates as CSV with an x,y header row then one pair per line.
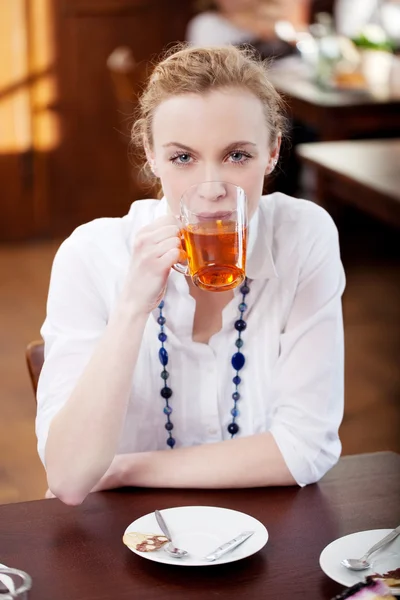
x,y
247,22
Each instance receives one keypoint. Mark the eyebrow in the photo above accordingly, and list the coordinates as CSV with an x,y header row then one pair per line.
x,y
229,147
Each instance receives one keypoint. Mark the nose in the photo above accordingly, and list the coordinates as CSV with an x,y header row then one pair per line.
x,y
212,191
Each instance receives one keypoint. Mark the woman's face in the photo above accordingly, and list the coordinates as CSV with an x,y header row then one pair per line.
x,y
218,136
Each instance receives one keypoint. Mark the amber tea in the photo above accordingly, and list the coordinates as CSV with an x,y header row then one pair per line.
x,y
216,254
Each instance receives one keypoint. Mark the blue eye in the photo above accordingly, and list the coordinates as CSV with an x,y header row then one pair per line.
x,y
182,158
239,158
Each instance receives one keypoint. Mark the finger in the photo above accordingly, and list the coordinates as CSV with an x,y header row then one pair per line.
x,y
173,243
170,258
159,235
161,222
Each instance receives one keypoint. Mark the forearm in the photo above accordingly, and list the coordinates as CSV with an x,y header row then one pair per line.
x,y
83,436
254,461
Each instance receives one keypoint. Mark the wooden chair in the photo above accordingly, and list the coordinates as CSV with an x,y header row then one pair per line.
x,y
34,359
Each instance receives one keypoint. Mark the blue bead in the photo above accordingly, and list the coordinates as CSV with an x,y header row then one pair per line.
x,y
242,306
240,325
161,305
238,361
236,380
169,426
236,396
171,442
164,375
245,289
167,410
239,343
163,356
166,392
161,320
235,412
233,428
162,337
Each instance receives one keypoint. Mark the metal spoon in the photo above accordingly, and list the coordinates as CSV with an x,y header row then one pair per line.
x,y
359,564
170,549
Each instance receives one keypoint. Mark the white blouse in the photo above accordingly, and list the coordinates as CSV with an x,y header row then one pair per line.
x,y
292,380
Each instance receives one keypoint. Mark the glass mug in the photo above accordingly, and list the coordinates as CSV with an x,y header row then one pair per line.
x,y
213,215
14,584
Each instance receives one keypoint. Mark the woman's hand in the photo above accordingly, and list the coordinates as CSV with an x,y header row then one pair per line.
x,y
157,247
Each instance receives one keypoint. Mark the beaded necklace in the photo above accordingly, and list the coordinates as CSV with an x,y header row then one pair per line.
x,y
237,362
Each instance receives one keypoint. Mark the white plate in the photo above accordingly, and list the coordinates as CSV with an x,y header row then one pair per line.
x,y
200,530
354,546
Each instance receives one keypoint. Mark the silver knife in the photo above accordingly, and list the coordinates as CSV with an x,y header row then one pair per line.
x,y
228,546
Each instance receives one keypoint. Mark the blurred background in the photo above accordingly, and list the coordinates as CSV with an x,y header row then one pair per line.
x,y
70,71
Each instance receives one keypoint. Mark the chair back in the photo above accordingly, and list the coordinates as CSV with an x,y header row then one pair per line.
x,y
34,359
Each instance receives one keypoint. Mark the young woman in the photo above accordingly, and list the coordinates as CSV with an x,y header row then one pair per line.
x,y
207,114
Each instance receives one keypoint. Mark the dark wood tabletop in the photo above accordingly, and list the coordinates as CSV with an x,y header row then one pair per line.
x,y
336,114
365,173
76,553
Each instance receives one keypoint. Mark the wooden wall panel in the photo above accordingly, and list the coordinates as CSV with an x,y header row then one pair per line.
x,y
80,162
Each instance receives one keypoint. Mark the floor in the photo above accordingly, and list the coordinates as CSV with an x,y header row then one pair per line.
x,y
371,304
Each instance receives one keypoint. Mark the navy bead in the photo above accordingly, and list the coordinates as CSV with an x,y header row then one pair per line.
x,y
236,380
236,396
169,426
233,428
166,392
161,305
240,325
162,337
171,442
167,410
163,356
239,343
164,375
242,306
161,320
235,412
245,289
238,361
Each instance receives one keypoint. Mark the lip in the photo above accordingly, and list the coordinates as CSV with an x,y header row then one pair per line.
x,y
215,216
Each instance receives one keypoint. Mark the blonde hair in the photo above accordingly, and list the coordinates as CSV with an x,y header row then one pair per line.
x,y
187,69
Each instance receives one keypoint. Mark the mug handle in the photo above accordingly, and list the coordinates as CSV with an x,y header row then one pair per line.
x,y
184,269
179,267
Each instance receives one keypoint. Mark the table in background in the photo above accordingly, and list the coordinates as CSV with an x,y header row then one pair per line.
x,y
336,114
76,553
365,173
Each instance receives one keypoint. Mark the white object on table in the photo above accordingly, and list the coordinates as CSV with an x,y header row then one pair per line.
x,y
355,544
200,530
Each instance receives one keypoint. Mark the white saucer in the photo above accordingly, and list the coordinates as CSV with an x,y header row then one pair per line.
x,y
200,530
354,546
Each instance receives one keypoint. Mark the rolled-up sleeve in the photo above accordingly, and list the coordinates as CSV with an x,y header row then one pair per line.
x,y
309,377
76,319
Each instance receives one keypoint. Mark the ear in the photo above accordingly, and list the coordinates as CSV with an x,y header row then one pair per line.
x,y
274,154
149,154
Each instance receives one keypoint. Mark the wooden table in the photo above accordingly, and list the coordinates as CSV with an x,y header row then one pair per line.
x,y
77,553
364,173
336,114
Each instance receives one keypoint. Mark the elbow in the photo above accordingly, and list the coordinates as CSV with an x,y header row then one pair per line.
x,y
66,493
315,470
